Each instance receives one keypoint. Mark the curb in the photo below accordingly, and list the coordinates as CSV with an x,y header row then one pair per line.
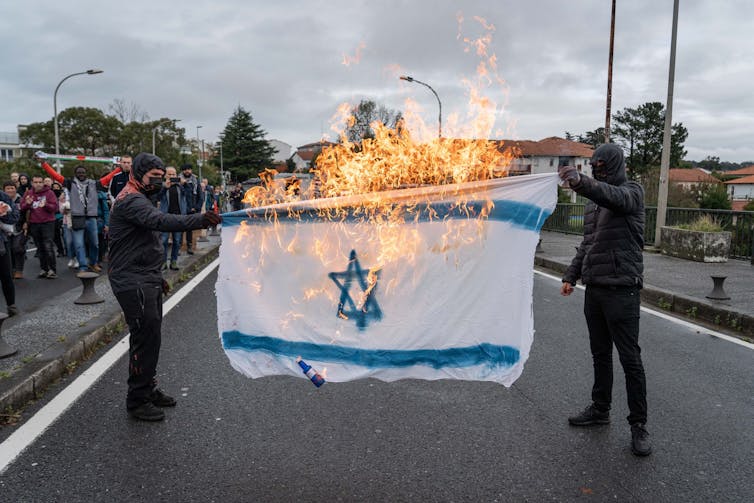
x,y
717,317
32,380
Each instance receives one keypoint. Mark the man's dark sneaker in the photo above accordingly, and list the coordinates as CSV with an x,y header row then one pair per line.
x,y
51,274
12,310
173,266
640,445
591,415
146,412
42,274
190,252
165,266
160,399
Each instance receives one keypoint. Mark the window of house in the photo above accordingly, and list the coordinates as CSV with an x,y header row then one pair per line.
x,y
551,161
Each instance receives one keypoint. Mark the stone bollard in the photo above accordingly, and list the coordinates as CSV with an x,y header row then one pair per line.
x,y
5,348
88,295
718,293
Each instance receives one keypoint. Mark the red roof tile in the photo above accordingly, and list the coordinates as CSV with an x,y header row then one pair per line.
x,y
694,175
552,146
745,179
748,170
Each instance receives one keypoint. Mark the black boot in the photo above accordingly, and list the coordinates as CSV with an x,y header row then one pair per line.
x,y
160,399
640,445
146,412
590,416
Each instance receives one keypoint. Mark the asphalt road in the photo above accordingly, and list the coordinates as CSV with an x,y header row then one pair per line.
x,y
280,439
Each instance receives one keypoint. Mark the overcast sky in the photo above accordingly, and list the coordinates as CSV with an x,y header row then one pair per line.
x,y
283,62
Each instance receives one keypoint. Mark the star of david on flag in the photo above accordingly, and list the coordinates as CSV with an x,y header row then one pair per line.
x,y
366,307
446,293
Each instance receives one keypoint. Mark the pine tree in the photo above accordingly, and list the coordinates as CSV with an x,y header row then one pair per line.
x,y
245,151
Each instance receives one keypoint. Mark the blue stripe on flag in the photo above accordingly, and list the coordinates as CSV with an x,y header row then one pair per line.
x,y
487,354
523,215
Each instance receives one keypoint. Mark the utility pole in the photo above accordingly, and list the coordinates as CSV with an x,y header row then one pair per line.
x,y
662,196
610,77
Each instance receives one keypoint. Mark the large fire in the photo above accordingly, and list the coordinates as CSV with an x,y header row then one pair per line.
x,y
362,174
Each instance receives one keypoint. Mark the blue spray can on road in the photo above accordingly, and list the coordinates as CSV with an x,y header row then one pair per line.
x,y
314,376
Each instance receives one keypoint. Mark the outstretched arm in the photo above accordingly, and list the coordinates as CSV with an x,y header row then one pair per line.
x,y
53,174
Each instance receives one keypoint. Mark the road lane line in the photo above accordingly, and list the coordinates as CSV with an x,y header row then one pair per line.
x,y
28,432
665,316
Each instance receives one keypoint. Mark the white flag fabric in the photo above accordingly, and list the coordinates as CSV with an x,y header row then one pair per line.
x,y
439,292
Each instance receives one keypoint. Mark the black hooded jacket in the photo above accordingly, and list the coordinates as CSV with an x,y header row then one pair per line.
x,y
136,252
611,252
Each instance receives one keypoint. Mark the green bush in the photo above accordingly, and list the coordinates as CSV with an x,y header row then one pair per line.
x,y
704,223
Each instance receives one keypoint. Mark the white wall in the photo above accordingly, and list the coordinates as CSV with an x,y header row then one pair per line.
x,y
741,191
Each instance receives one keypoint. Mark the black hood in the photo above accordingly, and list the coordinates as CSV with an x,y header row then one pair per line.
x,y
144,162
615,165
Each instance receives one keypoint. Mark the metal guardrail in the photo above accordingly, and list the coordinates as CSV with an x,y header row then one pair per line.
x,y
569,219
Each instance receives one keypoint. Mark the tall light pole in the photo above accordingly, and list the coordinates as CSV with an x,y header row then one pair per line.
x,y
200,166
662,196
93,71
610,76
197,144
222,173
411,79
154,129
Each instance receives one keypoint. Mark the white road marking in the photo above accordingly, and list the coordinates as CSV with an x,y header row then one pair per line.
x,y
28,432
673,319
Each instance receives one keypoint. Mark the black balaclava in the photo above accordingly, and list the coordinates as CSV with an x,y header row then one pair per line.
x,y
614,171
141,165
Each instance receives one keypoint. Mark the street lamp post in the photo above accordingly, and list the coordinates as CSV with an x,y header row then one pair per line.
x,y
200,166
439,121
222,173
154,130
197,145
93,71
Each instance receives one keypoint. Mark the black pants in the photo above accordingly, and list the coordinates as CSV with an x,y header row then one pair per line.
x,y
18,251
58,239
189,238
612,315
6,273
142,309
43,235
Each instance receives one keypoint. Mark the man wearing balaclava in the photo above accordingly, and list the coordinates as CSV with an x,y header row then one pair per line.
x,y
609,262
136,256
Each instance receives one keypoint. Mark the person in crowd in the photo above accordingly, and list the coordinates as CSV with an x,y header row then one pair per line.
x,y
14,179
41,203
194,200
208,192
103,222
236,198
17,240
23,184
135,262
65,209
121,179
82,192
172,201
57,189
609,262
8,220
47,181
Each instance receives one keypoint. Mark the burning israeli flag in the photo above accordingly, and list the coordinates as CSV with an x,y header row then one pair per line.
x,y
428,283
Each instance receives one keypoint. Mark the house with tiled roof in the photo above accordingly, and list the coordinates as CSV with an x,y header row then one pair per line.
x,y
305,154
544,156
690,178
741,190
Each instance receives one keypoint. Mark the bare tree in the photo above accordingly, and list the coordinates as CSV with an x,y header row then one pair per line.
x,y
127,112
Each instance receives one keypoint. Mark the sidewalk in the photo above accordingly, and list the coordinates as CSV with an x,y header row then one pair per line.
x,y
676,285
53,336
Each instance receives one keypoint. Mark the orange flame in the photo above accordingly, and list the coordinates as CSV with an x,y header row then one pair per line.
x,y
356,58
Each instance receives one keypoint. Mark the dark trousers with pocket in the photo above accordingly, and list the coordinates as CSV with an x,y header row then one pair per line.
x,y
44,235
142,309
612,315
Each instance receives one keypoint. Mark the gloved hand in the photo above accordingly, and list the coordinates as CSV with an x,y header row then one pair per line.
x,y
211,218
569,174
165,287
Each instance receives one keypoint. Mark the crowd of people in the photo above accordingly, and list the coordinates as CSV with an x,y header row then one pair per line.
x,y
56,216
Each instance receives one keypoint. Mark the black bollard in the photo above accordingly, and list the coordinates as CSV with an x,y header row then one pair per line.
x,y
88,295
5,348
718,293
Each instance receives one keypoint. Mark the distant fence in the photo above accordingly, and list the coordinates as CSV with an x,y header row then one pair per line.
x,y
569,218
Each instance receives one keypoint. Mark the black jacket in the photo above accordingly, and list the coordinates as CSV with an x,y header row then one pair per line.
x,y
118,182
136,251
611,251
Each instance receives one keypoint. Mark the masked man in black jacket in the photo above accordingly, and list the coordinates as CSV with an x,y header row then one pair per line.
x,y
609,262
136,256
